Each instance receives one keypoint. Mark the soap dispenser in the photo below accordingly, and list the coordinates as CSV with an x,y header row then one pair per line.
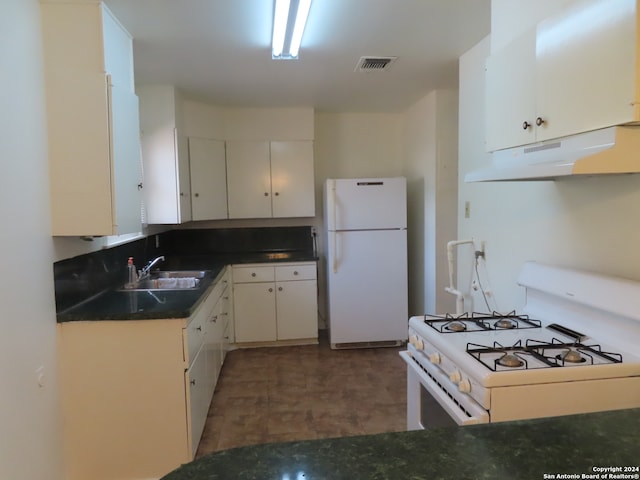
x,y
132,273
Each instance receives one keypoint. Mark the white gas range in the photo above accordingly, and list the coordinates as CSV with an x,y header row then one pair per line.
x,y
573,349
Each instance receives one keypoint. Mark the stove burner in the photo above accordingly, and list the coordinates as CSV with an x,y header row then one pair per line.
x,y
456,326
505,323
510,360
571,356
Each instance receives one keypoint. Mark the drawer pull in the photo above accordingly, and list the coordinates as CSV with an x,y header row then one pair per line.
x,y
271,289
279,289
253,274
295,272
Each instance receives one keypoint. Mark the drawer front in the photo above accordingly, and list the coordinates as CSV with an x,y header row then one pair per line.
x,y
296,272
253,274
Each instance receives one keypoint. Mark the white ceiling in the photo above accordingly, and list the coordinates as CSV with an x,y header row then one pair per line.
x,y
220,50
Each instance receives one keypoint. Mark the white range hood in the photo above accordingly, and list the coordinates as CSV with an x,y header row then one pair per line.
x,y
612,150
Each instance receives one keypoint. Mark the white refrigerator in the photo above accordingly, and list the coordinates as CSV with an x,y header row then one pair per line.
x,y
366,222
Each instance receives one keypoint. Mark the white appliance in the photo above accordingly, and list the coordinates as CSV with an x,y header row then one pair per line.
x,y
600,152
574,349
366,221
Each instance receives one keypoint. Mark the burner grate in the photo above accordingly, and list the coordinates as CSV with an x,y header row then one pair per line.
x,y
538,354
475,322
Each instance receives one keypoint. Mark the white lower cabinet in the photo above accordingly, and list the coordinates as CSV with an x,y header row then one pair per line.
x,y
135,394
197,381
274,303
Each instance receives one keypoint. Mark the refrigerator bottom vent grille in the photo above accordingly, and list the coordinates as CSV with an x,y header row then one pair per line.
x,y
386,343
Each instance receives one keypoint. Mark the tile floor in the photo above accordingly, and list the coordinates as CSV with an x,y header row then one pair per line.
x,y
305,392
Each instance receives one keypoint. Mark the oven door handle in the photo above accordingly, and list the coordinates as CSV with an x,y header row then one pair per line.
x,y
474,413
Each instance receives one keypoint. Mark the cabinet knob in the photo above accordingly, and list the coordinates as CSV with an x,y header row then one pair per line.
x,y
182,194
266,194
271,289
196,194
214,319
140,186
199,329
540,121
526,125
277,193
295,272
193,382
279,289
253,274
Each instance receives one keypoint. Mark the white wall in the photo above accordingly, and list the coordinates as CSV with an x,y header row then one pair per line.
x,y
430,138
30,421
587,223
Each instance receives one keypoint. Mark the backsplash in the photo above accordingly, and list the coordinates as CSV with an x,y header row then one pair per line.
x,y
80,278
238,240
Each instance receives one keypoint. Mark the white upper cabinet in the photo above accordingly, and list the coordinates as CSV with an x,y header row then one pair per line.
x,y
270,179
167,190
248,179
510,94
208,179
586,67
92,117
292,179
577,72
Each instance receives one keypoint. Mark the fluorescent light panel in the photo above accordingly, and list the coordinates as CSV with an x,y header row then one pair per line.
x,y
287,34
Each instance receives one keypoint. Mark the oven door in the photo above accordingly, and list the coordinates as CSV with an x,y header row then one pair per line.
x,y
432,400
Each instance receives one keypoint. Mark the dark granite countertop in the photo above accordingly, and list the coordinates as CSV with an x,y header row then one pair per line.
x,y
560,447
115,304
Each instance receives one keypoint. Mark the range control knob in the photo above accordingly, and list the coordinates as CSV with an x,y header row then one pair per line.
x,y
434,358
419,344
413,339
464,386
455,376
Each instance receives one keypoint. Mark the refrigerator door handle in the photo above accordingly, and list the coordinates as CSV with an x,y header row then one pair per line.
x,y
333,232
334,253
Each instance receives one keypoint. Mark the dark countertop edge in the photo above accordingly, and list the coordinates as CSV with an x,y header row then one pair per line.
x,y
523,449
182,304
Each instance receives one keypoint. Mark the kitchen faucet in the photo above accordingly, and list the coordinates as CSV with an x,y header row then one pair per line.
x,y
145,271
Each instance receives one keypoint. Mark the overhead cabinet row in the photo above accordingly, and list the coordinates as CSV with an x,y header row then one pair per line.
x,y
574,72
207,179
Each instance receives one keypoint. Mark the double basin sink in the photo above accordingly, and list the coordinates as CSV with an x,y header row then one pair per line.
x,y
168,280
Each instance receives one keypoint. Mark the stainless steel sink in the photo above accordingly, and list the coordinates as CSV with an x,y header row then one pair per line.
x,y
169,280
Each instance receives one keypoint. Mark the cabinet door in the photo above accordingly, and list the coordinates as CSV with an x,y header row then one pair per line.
x,y
118,51
292,179
208,179
125,139
510,94
296,308
248,179
254,306
198,399
586,67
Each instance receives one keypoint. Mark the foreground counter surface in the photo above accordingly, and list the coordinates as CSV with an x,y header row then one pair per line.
x,y
573,446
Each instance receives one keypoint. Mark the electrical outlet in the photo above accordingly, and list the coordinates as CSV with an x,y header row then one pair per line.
x,y
467,209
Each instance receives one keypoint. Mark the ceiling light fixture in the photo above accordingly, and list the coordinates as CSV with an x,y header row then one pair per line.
x,y
289,20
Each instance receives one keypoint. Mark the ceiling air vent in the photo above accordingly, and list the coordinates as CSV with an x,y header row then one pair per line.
x,y
374,64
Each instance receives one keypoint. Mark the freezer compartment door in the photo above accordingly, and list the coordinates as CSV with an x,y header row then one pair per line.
x,y
366,203
367,286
